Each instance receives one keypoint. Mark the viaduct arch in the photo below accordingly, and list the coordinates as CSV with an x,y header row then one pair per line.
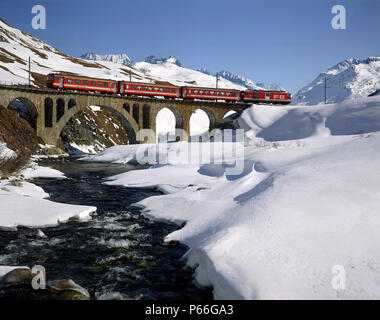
x,y
54,109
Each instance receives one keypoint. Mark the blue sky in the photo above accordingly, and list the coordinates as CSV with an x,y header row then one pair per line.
x,y
288,42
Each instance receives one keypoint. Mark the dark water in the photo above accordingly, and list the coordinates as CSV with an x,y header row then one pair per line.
x,y
118,254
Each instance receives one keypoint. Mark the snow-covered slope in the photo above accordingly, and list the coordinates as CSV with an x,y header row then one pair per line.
x,y
301,220
17,46
351,78
170,70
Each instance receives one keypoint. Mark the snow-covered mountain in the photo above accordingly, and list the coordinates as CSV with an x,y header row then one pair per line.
x,y
17,46
147,66
117,58
351,78
154,60
240,80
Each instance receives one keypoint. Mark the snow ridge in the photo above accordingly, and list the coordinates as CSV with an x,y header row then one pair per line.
x,y
116,58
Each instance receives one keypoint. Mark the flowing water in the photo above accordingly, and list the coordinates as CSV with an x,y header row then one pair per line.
x,y
118,254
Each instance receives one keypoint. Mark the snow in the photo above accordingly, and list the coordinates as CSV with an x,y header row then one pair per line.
x,y
199,122
169,71
24,203
117,58
165,122
95,108
306,204
349,79
5,152
5,269
46,59
36,171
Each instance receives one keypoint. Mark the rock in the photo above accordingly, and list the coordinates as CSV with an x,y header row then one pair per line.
x,y
17,277
173,243
202,188
40,234
69,289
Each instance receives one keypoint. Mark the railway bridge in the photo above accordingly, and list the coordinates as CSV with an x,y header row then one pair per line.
x,y
52,109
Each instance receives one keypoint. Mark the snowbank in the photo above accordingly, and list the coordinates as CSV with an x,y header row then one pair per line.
x,y
23,203
36,171
305,205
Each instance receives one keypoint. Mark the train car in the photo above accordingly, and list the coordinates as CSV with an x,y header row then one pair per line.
x,y
61,81
149,89
229,95
258,96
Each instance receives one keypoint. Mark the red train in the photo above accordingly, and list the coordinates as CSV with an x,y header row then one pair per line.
x,y
61,81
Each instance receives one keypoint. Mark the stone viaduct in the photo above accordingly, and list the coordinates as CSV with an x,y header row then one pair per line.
x,y
52,109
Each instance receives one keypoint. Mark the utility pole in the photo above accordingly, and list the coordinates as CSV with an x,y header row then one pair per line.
x,y
325,88
130,75
29,71
217,79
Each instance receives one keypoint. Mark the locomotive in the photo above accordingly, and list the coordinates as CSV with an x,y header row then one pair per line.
x,y
167,91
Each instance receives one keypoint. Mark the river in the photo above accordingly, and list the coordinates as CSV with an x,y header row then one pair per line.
x,y
118,254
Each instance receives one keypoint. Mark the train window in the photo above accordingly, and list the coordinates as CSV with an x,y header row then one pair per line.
x,y
150,88
56,78
145,88
138,87
167,89
93,83
228,94
133,87
200,91
212,92
126,86
222,93
99,84
111,85
156,89
105,84
162,89
206,92
85,82
69,80
195,91
233,94
173,90
217,93
76,81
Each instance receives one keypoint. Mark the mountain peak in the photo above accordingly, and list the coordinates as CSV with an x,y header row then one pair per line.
x,y
154,60
116,58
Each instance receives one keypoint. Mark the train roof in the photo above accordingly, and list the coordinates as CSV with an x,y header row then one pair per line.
x,y
77,76
267,91
208,88
150,84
